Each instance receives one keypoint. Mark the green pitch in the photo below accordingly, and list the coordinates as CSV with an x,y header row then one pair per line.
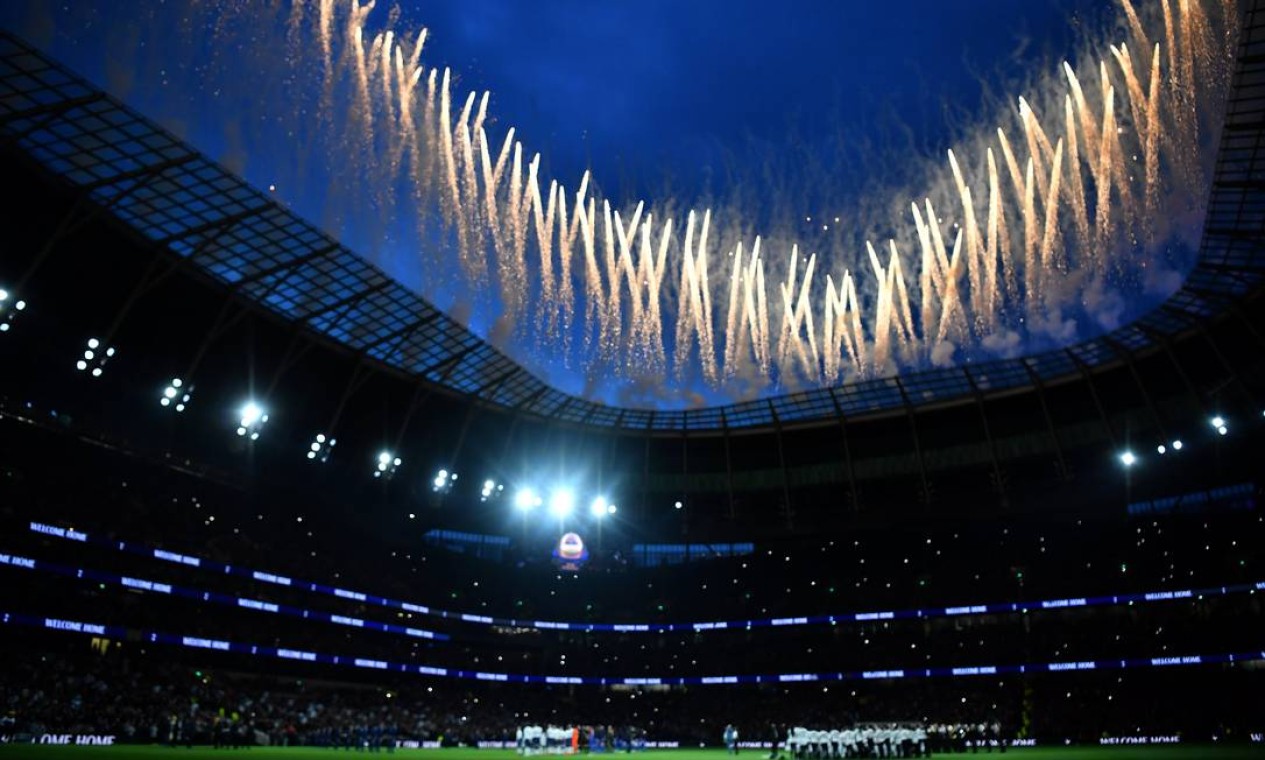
x,y
1191,752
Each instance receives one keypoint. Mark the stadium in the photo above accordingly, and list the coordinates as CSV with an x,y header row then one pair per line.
x,y
266,493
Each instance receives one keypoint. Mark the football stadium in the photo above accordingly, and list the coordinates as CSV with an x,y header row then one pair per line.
x,y
484,379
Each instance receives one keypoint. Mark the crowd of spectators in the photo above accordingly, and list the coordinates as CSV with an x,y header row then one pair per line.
x,y
149,694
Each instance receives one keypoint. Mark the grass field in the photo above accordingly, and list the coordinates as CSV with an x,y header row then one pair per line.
x,y
39,752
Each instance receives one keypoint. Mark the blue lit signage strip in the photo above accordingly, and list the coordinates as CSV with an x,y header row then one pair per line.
x,y
26,563
846,617
219,645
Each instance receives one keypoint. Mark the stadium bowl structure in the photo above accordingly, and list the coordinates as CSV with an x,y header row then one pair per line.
x,y
164,251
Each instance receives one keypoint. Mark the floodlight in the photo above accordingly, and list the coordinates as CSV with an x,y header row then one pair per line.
x,y
678,505
253,417
93,359
176,394
7,314
1177,445
1161,449
387,464
561,502
611,509
251,413
598,507
1128,459
321,447
526,499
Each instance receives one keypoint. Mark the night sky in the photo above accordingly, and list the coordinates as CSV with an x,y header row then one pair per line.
x,y
652,94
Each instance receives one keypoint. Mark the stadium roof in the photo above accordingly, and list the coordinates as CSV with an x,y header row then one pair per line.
x,y
181,201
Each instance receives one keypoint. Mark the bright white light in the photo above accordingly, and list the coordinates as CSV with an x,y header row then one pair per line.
x,y
384,457
165,401
1218,421
320,438
488,485
316,446
526,499
443,475
4,294
1161,449
81,365
1223,430
678,505
251,414
4,326
170,393
176,382
1128,459
20,305
611,509
1177,445
561,502
598,507
96,372
93,343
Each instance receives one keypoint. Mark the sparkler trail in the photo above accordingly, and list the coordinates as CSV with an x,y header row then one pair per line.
x,y
1065,194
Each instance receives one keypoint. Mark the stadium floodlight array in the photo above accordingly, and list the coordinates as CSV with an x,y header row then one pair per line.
x,y
214,597
600,508
562,503
253,417
444,481
266,650
322,446
1219,424
526,499
95,357
388,463
491,490
963,610
10,307
1128,458
176,395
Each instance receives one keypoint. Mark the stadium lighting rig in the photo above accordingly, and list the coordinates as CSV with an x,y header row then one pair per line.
x,y
526,500
10,307
601,508
253,418
491,490
176,395
444,481
321,447
1219,424
562,503
387,464
1128,458
95,357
